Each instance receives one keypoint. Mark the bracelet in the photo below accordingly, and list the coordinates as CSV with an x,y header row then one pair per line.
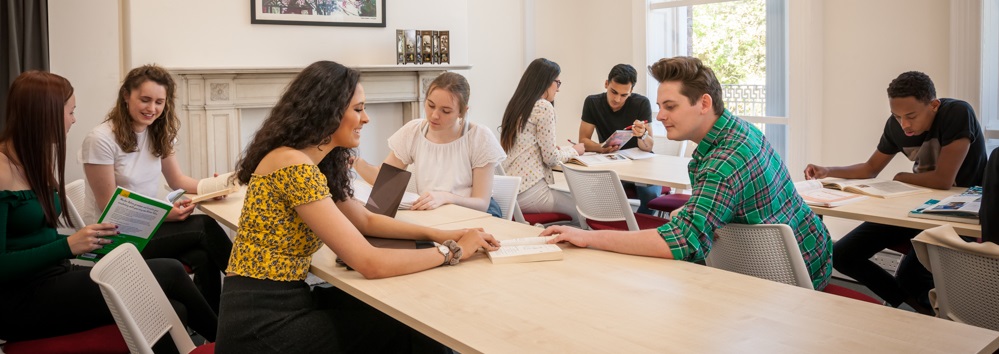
x,y
455,252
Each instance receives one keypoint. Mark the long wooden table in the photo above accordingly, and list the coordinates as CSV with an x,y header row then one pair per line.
x,y
895,211
227,212
601,302
596,301
661,170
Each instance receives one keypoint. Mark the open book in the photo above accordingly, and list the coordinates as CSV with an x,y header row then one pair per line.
x,y
960,207
920,212
213,187
619,138
137,216
636,154
873,187
598,159
526,249
815,194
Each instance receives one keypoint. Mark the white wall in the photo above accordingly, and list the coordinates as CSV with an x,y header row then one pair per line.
x,y
496,52
94,42
867,44
83,43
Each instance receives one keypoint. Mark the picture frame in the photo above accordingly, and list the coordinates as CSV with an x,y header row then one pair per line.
x,y
352,13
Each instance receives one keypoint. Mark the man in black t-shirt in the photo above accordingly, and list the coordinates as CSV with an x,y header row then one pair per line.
x,y
946,144
617,109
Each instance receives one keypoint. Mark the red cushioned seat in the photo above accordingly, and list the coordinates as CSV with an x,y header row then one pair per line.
x,y
850,293
644,222
668,203
105,339
545,218
207,348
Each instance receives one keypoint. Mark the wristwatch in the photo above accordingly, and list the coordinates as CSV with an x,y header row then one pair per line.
x,y
446,252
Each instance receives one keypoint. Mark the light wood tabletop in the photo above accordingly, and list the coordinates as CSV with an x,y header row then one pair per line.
x,y
599,302
895,211
661,170
227,211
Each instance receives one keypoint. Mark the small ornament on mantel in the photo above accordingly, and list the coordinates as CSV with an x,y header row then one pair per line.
x,y
422,47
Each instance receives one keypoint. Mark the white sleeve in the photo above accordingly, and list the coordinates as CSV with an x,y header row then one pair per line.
x,y
401,142
98,149
485,148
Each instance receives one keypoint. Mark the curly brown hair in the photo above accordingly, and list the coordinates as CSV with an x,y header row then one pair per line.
x,y
307,114
163,131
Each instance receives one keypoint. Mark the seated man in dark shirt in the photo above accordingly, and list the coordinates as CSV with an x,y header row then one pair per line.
x,y
945,142
616,109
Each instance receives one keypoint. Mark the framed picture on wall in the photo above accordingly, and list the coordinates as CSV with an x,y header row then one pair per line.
x,y
355,13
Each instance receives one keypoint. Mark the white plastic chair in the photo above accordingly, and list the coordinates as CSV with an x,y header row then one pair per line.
x,y
767,251
505,192
138,304
664,146
74,200
966,276
600,197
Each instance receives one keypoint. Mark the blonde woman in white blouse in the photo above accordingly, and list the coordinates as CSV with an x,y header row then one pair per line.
x,y
528,137
452,159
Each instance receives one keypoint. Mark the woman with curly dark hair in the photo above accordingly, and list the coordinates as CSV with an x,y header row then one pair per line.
x,y
298,198
134,149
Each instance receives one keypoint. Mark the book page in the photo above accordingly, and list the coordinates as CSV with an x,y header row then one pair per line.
x,y
600,159
538,240
137,216
636,154
619,138
526,253
214,184
885,189
134,217
408,199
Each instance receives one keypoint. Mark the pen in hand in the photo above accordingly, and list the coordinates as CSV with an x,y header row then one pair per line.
x,y
632,126
570,141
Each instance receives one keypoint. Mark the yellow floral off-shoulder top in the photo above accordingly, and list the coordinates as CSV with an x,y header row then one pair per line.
x,y
273,242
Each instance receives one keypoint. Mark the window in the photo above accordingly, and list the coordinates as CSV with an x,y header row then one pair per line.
x,y
744,42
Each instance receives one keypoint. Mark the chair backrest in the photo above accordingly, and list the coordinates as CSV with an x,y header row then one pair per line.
x,y
767,251
138,304
967,285
664,146
74,199
599,196
505,190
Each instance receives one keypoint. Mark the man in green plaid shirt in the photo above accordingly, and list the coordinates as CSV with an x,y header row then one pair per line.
x,y
736,176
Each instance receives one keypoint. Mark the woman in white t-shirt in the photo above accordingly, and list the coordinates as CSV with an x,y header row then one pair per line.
x,y
133,148
452,159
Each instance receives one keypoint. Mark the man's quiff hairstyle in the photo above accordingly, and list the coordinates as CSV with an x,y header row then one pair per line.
x,y
695,79
913,84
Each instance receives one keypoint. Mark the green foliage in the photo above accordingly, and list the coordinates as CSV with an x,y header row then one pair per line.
x,y
368,8
730,37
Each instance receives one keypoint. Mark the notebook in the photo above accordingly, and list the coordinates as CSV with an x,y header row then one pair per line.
x,y
387,192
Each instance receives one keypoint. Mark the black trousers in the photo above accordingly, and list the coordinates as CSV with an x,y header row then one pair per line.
x,y
202,244
265,316
62,299
852,253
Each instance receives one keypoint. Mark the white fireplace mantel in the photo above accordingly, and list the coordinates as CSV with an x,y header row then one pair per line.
x,y
210,100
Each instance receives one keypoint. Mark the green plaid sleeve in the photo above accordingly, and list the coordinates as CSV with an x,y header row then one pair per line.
x,y
690,234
